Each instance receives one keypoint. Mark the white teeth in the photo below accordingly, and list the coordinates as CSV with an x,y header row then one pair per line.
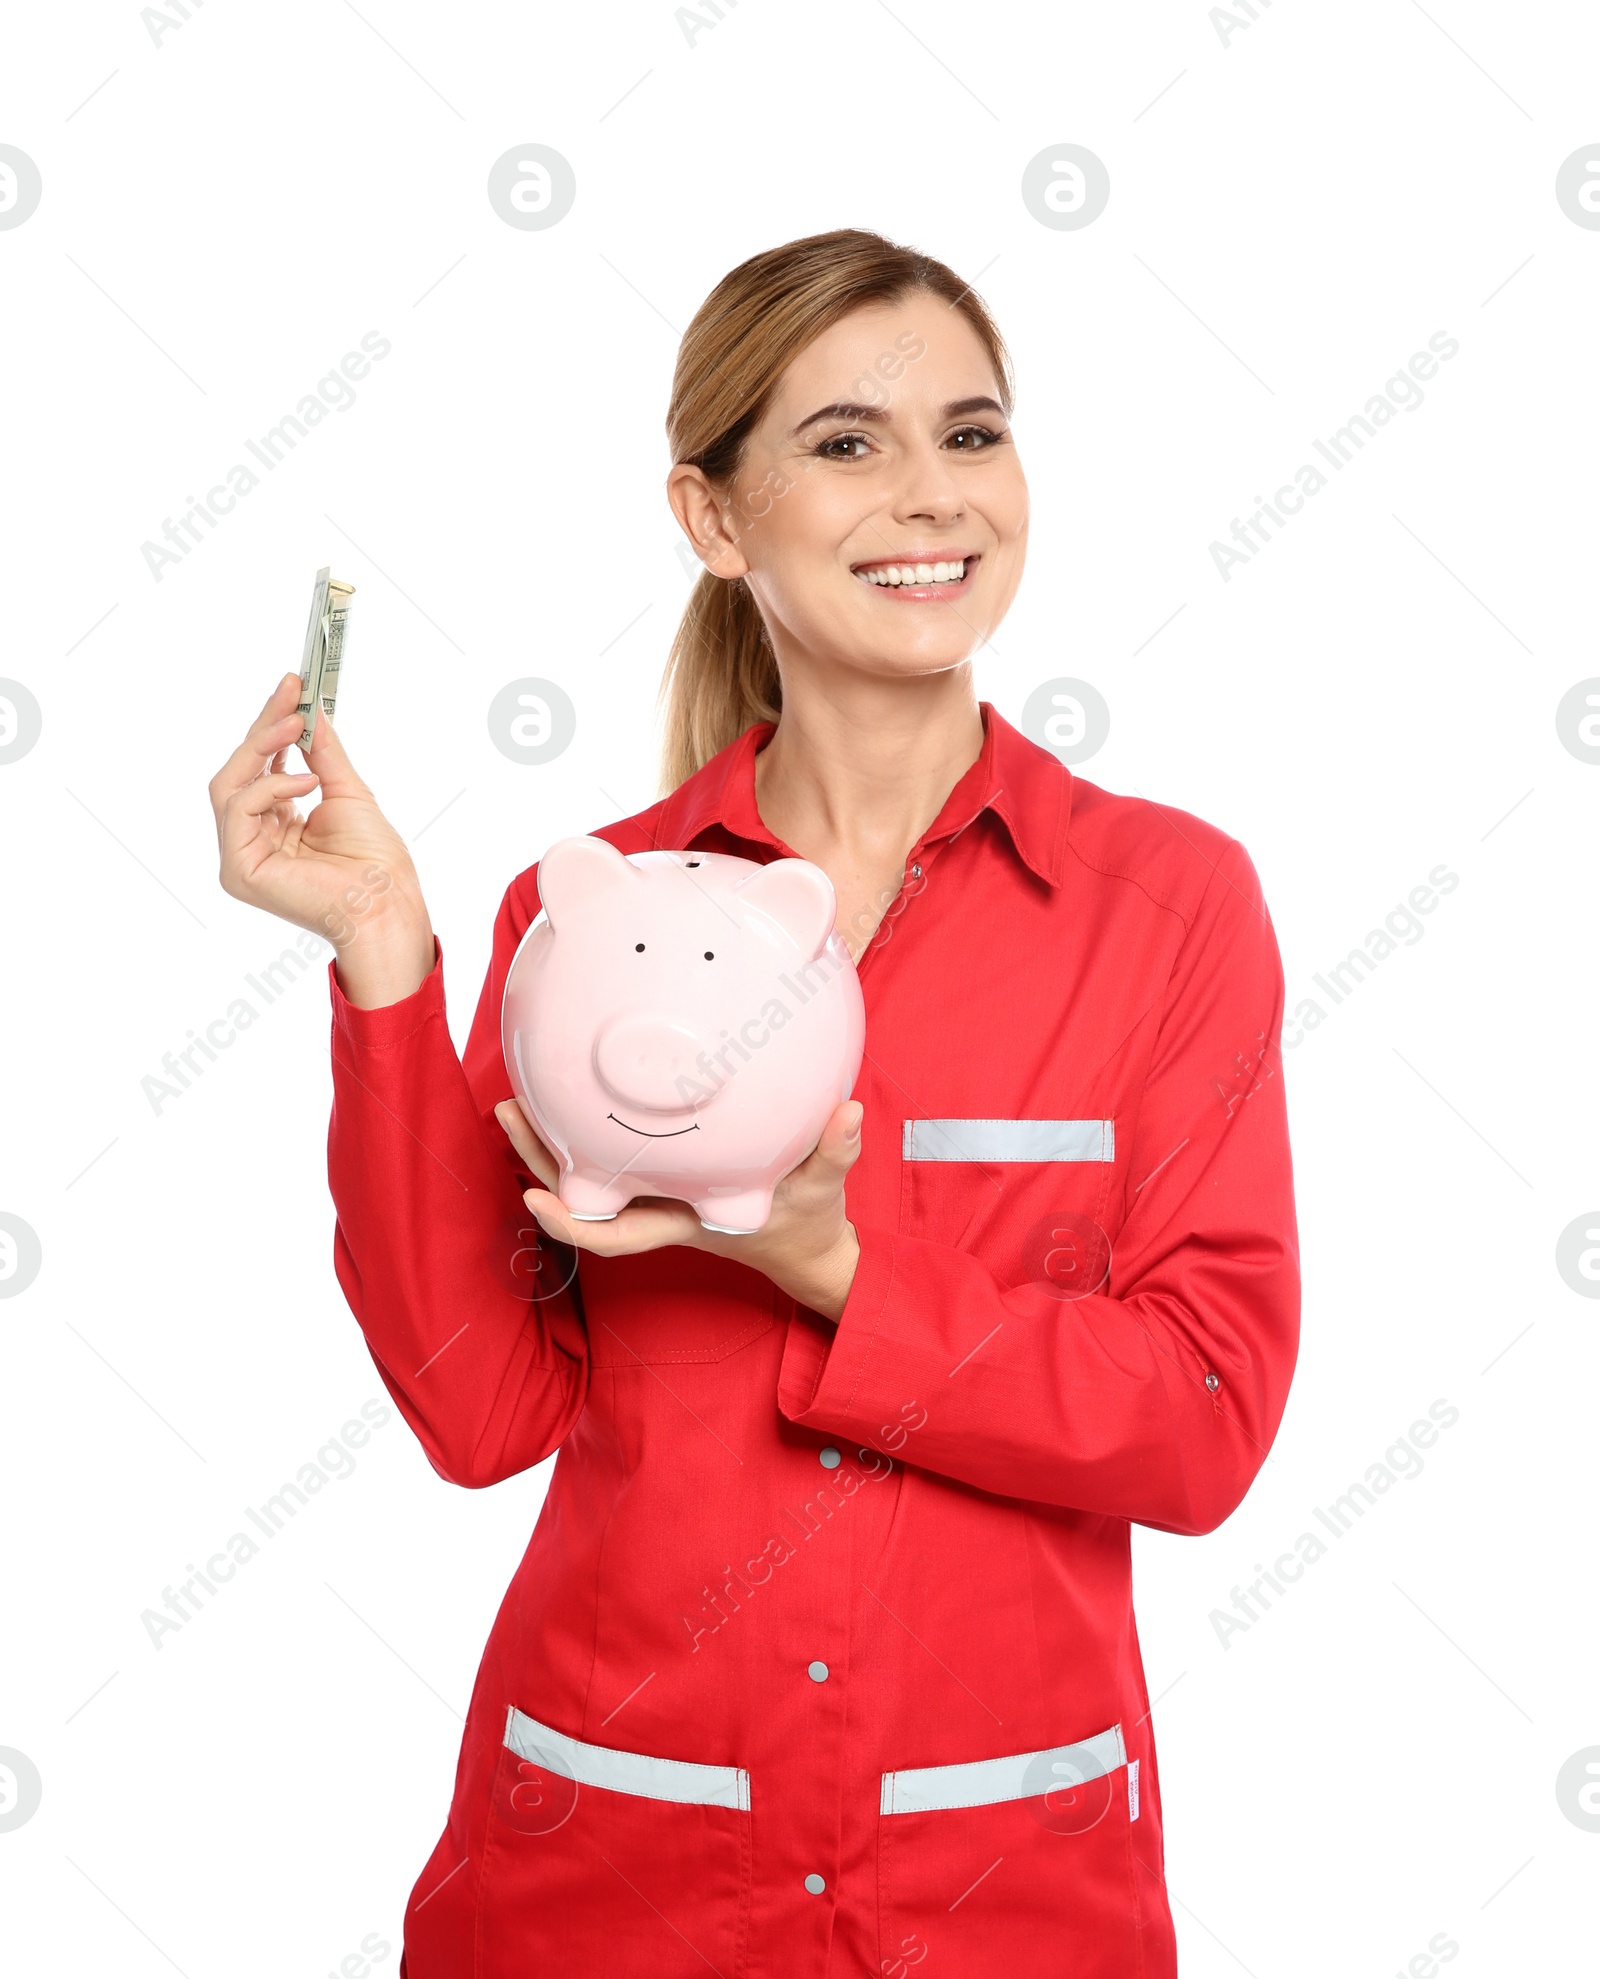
x,y
921,573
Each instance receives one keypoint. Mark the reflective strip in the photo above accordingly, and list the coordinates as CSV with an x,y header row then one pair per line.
x,y
626,1772
1019,1777
1007,1140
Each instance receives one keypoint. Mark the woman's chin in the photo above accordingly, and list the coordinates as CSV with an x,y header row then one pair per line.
x,y
901,651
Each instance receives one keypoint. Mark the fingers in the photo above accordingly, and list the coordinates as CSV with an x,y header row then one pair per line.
x,y
284,698
555,1222
650,1222
276,787
271,731
239,818
639,1227
534,1153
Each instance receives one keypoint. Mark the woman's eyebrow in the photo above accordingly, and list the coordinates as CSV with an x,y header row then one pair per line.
x,y
841,409
848,409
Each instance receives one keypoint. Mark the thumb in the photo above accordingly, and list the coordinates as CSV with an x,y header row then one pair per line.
x,y
326,756
841,1138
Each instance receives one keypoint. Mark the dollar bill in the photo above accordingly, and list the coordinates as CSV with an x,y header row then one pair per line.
x,y
324,649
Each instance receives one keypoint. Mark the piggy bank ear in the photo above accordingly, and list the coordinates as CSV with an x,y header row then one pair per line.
x,y
575,870
798,896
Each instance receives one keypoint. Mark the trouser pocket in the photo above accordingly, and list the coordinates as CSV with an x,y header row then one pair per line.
x,y
1024,1862
600,1862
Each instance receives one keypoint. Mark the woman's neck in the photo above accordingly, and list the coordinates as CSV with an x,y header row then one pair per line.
x,y
852,779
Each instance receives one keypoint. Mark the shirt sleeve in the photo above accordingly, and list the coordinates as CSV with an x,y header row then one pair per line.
x,y
472,1316
1155,1398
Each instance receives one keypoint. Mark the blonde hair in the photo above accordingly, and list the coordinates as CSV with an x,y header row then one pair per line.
x,y
721,675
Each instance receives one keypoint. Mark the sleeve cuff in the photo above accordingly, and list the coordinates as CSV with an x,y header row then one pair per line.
x,y
824,1376
389,1022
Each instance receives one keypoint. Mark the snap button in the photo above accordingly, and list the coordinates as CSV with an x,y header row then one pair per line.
x,y
829,1459
817,1672
1213,1383
916,872
815,1885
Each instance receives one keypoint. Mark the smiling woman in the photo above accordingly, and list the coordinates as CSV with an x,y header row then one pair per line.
x,y
808,382
1037,1279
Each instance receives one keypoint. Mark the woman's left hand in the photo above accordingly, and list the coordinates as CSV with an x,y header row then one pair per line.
x,y
807,1247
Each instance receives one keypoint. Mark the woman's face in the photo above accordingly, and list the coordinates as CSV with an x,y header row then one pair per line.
x,y
880,516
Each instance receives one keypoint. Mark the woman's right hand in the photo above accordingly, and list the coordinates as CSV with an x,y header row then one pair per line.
x,y
342,871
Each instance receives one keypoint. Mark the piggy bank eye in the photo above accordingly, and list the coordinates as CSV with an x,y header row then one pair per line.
x,y
638,948
709,956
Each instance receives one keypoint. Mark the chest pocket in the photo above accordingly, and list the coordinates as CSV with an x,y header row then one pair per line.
x,y
1026,1196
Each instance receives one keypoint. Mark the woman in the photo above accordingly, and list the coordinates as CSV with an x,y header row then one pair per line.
x,y
821,1659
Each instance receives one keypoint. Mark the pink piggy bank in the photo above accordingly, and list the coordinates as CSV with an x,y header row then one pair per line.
x,y
680,1024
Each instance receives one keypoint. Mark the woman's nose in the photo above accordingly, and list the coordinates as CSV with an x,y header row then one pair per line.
x,y
929,491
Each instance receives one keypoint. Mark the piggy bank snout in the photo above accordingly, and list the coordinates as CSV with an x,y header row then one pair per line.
x,y
652,1064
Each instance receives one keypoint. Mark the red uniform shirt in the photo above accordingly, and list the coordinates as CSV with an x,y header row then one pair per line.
x,y
821,1659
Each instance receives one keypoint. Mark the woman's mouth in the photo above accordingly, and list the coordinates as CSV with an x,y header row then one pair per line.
x,y
918,577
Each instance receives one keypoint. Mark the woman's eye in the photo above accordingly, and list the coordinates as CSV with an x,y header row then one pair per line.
x,y
972,439
851,440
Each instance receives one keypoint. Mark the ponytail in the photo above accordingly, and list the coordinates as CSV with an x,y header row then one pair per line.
x,y
721,676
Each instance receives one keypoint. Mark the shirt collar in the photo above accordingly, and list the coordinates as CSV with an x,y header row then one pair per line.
x,y
1027,788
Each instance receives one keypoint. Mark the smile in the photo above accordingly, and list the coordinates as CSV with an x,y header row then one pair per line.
x,y
694,1128
915,576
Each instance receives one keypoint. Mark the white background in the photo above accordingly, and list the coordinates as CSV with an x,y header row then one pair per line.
x,y
1297,205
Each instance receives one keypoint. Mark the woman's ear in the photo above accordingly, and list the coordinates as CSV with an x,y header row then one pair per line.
x,y
700,516
579,869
